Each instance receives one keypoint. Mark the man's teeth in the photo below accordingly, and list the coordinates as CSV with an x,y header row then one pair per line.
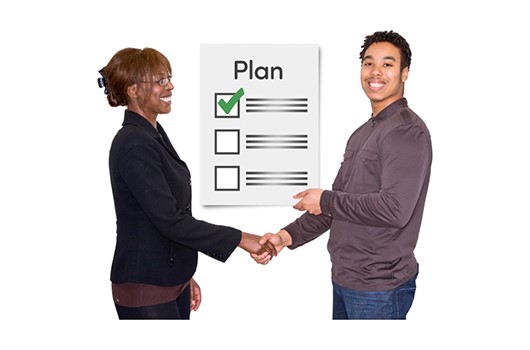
x,y
166,99
376,85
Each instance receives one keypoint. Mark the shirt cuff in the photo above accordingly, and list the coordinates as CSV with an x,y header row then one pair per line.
x,y
325,202
295,235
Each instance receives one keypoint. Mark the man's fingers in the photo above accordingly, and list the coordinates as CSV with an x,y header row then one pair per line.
x,y
300,194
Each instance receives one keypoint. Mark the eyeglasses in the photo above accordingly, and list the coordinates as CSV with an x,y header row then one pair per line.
x,y
161,82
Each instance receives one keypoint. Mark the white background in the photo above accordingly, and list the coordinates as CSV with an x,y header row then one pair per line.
x,y
468,81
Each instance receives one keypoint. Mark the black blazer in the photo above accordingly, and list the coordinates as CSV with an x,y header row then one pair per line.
x,y
157,236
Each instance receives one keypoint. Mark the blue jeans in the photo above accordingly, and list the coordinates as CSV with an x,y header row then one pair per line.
x,y
393,304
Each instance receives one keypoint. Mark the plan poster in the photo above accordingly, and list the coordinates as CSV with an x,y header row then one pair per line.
x,y
259,122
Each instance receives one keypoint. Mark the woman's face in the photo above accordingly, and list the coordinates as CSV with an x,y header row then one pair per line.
x,y
155,94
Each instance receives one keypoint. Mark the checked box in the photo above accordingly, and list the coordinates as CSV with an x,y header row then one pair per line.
x,y
227,105
227,178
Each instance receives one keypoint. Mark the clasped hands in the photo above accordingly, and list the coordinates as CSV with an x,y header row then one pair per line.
x,y
272,243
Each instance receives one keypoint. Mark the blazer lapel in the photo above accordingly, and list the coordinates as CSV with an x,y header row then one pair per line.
x,y
159,134
164,140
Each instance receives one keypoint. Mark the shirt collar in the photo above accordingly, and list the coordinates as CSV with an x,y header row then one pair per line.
x,y
391,109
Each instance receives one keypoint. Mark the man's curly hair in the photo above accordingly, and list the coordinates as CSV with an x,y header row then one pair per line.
x,y
393,38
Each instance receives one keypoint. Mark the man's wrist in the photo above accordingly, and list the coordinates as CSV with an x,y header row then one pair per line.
x,y
285,237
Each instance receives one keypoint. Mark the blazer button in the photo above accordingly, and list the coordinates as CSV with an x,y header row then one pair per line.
x,y
172,260
188,207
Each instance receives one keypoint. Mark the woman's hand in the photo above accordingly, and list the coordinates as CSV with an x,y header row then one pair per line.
x,y
196,295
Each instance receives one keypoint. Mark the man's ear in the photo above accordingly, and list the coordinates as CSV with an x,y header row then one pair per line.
x,y
404,74
132,91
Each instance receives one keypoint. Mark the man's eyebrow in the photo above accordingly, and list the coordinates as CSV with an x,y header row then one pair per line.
x,y
384,58
367,57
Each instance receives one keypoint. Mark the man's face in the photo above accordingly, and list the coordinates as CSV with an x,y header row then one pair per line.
x,y
381,78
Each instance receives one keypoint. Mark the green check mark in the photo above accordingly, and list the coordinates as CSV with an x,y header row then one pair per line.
x,y
227,106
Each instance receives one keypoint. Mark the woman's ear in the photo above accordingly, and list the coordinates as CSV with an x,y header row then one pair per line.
x,y
132,91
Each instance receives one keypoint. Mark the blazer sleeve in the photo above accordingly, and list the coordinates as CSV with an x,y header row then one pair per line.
x,y
142,169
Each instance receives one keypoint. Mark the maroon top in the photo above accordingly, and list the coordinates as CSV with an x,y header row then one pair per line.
x,y
142,294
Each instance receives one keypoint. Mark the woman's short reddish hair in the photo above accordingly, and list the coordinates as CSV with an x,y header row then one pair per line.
x,y
130,66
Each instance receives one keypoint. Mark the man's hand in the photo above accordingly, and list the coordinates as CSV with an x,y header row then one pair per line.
x,y
280,240
251,243
309,200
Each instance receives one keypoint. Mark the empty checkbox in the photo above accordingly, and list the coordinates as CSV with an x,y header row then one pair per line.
x,y
227,178
227,141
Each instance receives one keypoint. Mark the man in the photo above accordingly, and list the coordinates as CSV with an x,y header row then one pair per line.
x,y
375,207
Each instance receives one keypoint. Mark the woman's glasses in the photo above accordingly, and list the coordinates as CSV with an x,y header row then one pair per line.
x,y
161,82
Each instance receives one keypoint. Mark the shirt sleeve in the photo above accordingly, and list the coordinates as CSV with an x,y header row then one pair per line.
x,y
143,172
405,161
306,228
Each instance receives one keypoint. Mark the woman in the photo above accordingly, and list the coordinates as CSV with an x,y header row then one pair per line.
x,y
158,239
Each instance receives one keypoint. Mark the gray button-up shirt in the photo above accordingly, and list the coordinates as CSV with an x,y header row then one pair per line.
x,y
375,207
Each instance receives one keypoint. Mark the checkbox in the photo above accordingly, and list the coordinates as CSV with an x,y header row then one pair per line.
x,y
227,141
227,178
222,97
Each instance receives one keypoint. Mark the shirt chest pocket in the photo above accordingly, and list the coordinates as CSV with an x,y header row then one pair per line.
x,y
366,174
345,171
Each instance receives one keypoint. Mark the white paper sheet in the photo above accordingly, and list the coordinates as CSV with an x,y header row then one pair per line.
x,y
259,122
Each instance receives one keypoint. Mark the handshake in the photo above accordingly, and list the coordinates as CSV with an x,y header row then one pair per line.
x,y
263,249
